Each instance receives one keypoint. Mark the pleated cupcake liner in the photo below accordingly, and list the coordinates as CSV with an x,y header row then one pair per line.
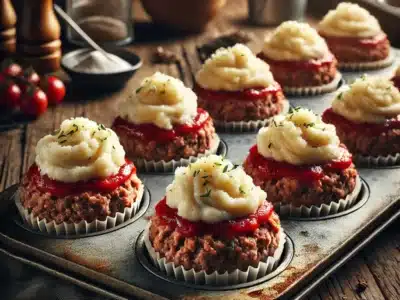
x,y
248,126
313,211
371,65
217,279
82,227
376,161
163,166
314,90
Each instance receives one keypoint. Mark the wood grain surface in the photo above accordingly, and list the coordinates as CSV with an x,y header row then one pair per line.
x,y
373,274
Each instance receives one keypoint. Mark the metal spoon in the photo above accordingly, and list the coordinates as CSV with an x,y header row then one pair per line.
x,y
80,32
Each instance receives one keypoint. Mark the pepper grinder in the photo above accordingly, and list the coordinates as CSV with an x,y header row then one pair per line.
x,y
38,42
8,20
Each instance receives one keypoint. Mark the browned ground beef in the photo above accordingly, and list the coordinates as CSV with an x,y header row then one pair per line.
x,y
332,187
180,147
213,254
348,53
75,208
364,143
230,110
302,77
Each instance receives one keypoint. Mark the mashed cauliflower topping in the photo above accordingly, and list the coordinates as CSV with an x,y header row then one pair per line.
x,y
349,20
294,41
161,100
299,138
234,69
212,189
368,100
80,150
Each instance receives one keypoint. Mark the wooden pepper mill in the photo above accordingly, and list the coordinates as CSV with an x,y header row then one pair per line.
x,y
38,42
8,20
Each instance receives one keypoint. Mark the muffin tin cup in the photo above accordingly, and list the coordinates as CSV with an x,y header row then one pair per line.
x,y
377,161
248,126
371,65
314,90
323,210
82,227
216,279
163,166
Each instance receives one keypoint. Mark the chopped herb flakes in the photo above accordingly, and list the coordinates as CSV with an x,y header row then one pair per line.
x,y
270,145
206,194
340,96
138,90
241,190
195,173
225,168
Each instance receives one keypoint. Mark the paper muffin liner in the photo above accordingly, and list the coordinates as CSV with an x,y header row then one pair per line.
x,y
201,277
248,126
371,65
383,161
82,227
314,90
313,211
163,166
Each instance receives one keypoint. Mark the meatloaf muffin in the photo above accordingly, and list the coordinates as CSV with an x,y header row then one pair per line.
x,y
298,56
83,206
299,161
212,253
80,175
367,117
354,36
160,122
202,227
233,108
234,85
302,74
332,187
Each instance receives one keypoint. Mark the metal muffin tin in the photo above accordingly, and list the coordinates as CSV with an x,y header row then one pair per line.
x,y
114,262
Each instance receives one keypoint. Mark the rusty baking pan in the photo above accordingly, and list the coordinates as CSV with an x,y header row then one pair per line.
x,y
115,263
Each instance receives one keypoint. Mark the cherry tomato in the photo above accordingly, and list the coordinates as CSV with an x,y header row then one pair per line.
x,y
31,76
54,89
34,102
10,95
12,70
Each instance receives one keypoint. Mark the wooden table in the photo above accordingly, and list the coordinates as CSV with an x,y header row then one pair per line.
x,y
372,274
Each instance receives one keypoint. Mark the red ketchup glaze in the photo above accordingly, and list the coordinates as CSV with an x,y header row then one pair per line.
x,y
244,95
61,189
370,42
151,132
271,169
225,229
329,116
311,65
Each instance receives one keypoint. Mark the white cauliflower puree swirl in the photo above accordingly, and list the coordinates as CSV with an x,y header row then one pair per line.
x,y
299,138
368,100
349,20
294,41
80,150
234,69
212,189
161,100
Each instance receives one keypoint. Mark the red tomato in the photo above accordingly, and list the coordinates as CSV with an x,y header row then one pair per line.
x,y
34,102
10,95
31,76
13,70
54,89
